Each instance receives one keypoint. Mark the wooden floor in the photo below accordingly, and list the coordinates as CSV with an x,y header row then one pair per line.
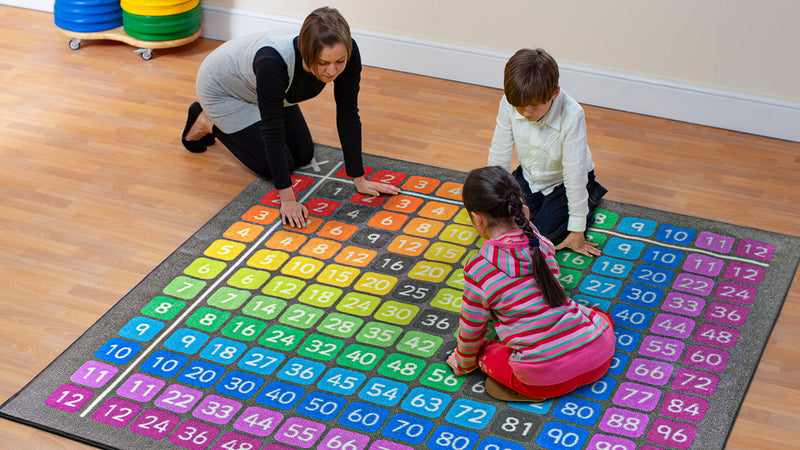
x,y
96,189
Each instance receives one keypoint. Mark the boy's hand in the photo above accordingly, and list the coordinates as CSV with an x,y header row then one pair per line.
x,y
577,242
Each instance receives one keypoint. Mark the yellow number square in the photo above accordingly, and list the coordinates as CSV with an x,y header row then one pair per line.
x,y
267,259
302,267
459,234
396,313
358,304
462,217
448,299
338,275
429,271
224,249
456,279
284,287
444,252
247,278
375,283
320,295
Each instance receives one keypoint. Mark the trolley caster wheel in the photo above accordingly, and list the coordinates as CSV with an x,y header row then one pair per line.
x,y
74,43
145,53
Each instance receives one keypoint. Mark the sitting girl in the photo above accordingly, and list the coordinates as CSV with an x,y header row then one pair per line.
x,y
548,344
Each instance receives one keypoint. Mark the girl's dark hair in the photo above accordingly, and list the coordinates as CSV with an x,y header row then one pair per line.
x,y
324,27
495,193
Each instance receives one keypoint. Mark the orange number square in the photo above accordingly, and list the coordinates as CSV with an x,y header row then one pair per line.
x,y
408,245
261,214
337,230
450,190
284,240
243,232
420,184
320,248
438,210
423,227
355,256
387,220
312,223
403,203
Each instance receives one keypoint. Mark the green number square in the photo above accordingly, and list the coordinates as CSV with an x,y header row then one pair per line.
x,y
401,367
207,319
340,325
440,376
569,258
419,343
360,357
164,308
570,278
228,298
243,328
205,268
396,312
279,337
456,279
358,304
266,308
469,255
184,287
320,295
321,348
301,316
380,334
604,218
598,238
247,278
284,287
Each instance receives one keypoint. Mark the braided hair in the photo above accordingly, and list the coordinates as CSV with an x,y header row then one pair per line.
x,y
494,192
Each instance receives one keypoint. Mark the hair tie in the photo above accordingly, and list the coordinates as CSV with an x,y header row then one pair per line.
x,y
534,242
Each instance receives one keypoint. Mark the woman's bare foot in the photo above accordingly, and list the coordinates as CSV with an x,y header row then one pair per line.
x,y
202,126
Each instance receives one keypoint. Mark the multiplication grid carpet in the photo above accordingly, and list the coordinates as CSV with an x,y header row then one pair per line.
x,y
334,336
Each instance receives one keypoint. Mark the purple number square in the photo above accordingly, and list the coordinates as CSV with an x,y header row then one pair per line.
x,y
637,396
715,242
194,435
745,273
234,440
258,421
683,407
178,398
735,292
155,423
93,374
684,304
716,335
69,397
695,382
140,387
672,434
706,358
116,412
703,265
605,442
299,432
276,447
754,250
662,348
672,326
381,444
727,313
338,438
216,409
694,284
650,372
624,422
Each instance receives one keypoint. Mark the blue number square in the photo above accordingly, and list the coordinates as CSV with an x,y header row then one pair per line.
x,y
201,374
605,305
627,340
118,351
631,316
637,227
322,406
447,437
426,402
280,395
600,286
641,295
495,443
536,408
223,351
383,391
558,436
652,275
341,381
141,329
618,363
186,341
675,235
577,410
623,248
364,417
261,361
164,364
407,428
301,371
611,267
599,390
470,414
238,384
664,257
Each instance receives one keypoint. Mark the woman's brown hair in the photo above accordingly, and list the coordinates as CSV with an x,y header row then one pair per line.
x,y
324,27
530,78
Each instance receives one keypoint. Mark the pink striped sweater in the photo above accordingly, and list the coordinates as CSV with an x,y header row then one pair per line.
x,y
499,287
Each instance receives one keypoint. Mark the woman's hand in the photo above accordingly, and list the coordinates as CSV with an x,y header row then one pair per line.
x,y
576,241
293,213
374,188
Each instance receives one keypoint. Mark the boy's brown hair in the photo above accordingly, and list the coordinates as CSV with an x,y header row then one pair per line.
x,y
530,77
324,27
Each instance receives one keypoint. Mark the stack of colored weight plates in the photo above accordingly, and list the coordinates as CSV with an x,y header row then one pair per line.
x,y
87,16
160,20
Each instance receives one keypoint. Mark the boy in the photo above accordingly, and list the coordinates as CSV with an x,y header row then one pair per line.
x,y
548,129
